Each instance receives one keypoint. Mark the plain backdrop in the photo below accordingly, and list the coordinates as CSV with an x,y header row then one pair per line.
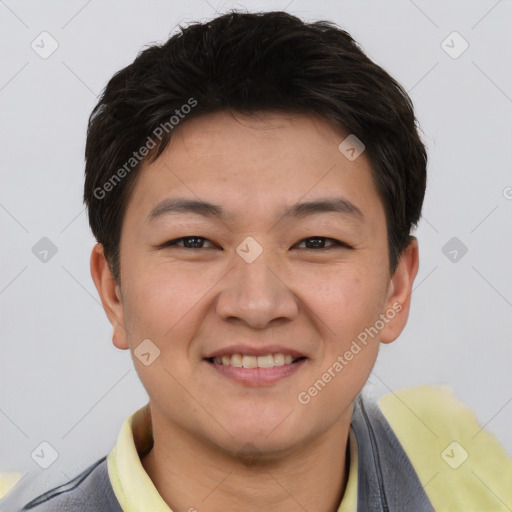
x,y
62,380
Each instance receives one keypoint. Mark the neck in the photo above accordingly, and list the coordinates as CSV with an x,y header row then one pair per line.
x,y
190,474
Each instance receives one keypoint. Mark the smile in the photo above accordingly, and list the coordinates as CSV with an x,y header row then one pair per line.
x,y
249,361
256,371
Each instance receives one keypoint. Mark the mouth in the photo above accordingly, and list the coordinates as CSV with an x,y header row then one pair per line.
x,y
260,370
250,361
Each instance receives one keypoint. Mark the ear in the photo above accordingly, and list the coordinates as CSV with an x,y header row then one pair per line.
x,y
399,293
110,295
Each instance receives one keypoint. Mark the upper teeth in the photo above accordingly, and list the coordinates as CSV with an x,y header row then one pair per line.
x,y
245,361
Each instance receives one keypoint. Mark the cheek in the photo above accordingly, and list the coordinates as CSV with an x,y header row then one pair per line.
x,y
350,348
346,301
333,390
351,341
160,297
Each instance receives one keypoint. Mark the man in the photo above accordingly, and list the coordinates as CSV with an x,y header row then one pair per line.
x,y
252,185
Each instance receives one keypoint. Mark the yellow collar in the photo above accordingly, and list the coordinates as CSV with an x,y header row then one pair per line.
x,y
136,492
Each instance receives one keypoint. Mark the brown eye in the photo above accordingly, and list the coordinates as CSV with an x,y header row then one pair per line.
x,y
318,242
189,242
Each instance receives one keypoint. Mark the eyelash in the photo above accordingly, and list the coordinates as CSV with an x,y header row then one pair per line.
x,y
173,243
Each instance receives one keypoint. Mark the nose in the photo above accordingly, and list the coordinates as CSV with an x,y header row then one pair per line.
x,y
256,294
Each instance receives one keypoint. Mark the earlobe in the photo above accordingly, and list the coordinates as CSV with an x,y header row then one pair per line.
x,y
110,295
399,295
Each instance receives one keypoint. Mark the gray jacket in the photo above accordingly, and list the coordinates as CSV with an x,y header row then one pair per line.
x,y
387,481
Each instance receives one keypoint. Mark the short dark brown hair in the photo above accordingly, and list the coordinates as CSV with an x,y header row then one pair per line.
x,y
244,63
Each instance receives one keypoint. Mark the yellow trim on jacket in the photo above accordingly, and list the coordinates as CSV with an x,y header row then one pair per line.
x,y
462,467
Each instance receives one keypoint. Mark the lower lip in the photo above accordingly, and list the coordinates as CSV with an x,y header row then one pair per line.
x,y
257,376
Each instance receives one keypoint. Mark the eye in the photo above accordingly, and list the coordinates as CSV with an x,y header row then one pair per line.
x,y
189,242
319,241
197,242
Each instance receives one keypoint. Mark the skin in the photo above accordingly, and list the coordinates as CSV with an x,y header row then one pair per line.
x,y
219,444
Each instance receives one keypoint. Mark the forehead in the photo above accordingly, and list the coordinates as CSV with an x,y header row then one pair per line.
x,y
259,163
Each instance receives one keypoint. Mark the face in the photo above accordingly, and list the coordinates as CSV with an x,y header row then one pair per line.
x,y
255,303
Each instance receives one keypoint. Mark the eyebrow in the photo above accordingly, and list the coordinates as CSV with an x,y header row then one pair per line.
x,y
178,205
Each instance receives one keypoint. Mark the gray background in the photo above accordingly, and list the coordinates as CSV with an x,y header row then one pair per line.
x,y
64,382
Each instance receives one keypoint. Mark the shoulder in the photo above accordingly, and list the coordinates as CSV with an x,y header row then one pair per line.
x,y
90,491
461,465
